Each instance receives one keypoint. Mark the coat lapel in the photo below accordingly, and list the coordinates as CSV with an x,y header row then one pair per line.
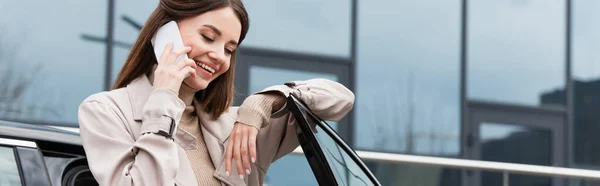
x,y
216,134
215,131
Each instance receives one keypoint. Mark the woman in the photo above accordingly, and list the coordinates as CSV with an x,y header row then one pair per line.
x,y
171,123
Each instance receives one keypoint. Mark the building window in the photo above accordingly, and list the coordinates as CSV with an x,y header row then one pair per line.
x,y
516,52
586,82
309,26
408,77
50,59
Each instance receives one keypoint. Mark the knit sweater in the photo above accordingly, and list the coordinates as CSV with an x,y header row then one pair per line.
x,y
255,111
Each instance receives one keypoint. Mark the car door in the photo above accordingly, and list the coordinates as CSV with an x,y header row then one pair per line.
x,y
332,161
21,163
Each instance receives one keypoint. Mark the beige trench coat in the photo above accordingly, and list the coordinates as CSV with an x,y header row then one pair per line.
x,y
111,124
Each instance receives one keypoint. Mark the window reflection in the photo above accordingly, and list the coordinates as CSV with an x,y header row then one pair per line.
x,y
9,172
311,26
280,173
586,75
50,58
408,77
515,144
129,16
56,164
516,51
345,169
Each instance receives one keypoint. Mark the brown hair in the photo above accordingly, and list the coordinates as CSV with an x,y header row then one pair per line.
x,y
218,96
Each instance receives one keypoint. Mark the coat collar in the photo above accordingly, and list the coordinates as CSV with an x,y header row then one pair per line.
x,y
215,130
139,91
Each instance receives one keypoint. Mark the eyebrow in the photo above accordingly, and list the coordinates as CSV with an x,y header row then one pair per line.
x,y
216,30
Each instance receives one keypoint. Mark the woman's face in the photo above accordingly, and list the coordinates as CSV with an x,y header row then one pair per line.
x,y
213,37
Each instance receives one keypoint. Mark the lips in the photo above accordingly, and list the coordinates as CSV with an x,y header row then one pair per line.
x,y
207,66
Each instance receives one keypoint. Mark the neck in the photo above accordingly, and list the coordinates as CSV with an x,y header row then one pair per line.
x,y
186,94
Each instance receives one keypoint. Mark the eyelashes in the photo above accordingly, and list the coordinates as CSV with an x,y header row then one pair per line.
x,y
211,40
208,38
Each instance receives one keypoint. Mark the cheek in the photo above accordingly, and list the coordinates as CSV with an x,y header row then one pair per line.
x,y
194,42
226,67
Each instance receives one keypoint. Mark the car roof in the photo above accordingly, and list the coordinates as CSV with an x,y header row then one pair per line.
x,y
32,132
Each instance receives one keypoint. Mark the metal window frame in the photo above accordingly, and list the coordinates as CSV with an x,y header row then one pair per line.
x,y
17,143
550,119
109,44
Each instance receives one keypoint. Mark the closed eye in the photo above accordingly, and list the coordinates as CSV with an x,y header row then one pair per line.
x,y
208,38
228,51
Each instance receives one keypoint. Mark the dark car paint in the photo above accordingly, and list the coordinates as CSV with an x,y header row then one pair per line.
x,y
57,151
36,133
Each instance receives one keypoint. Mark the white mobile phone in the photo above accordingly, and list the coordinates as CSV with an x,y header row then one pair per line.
x,y
165,34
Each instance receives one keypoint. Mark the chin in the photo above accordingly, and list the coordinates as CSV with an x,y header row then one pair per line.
x,y
197,84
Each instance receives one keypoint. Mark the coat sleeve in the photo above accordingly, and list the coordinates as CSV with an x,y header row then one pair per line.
x,y
114,156
325,98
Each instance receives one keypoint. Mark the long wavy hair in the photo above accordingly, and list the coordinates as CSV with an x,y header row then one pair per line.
x,y
218,96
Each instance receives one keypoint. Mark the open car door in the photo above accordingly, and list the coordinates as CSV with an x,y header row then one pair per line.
x,y
332,161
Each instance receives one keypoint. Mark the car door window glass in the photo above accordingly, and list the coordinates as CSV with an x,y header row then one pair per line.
x,y
9,172
346,170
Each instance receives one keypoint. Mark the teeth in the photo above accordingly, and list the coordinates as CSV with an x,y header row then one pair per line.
x,y
206,67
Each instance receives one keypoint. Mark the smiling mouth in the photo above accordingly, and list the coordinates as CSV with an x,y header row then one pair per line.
x,y
205,67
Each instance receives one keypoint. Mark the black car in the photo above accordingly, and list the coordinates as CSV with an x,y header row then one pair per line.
x,y
40,155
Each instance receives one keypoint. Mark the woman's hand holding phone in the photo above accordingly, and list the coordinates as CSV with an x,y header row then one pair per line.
x,y
169,74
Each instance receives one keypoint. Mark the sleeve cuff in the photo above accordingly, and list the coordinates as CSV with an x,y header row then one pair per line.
x,y
157,124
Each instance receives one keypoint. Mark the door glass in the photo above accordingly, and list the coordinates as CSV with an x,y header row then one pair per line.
x,y
9,172
345,169
511,143
279,173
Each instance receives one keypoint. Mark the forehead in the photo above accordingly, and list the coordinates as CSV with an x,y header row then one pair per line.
x,y
224,19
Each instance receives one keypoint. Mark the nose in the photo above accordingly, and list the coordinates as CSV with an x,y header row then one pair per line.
x,y
218,57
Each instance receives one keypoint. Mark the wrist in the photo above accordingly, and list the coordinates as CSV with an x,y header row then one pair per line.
x,y
250,117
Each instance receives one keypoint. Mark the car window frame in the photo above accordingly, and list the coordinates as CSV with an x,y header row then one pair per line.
x,y
312,149
15,145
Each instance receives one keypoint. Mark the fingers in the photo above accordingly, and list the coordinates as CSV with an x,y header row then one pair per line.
x,y
186,62
166,51
237,152
228,156
244,150
252,144
241,149
186,67
187,71
175,53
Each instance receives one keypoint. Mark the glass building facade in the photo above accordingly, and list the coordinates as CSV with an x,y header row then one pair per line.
x,y
511,81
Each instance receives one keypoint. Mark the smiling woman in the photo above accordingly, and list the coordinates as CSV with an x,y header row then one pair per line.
x,y
169,122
